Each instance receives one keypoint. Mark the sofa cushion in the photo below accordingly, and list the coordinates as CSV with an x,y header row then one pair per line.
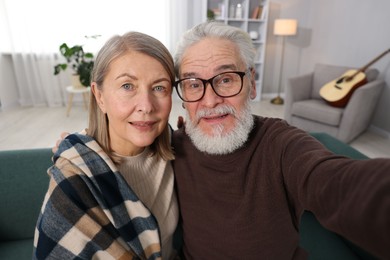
x,y
317,110
16,250
337,146
321,243
23,184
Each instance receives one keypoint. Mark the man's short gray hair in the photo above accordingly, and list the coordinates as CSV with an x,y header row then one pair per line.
x,y
218,30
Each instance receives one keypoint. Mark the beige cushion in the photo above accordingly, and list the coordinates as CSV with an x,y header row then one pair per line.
x,y
317,110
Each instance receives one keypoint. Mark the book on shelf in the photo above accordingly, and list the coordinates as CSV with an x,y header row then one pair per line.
x,y
257,12
263,13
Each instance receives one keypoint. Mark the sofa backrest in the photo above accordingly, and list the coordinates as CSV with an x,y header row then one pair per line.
x,y
23,184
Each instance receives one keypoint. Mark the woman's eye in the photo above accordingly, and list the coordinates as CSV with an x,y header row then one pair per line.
x,y
128,86
159,88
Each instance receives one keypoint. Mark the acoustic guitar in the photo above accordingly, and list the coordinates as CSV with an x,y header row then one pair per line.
x,y
338,92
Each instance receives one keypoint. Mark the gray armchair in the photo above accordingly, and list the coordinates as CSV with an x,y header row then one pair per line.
x,y
305,109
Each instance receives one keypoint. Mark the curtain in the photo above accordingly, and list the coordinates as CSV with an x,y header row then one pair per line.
x,y
183,15
36,84
34,30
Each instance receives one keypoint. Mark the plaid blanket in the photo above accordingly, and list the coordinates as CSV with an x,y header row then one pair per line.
x,y
89,211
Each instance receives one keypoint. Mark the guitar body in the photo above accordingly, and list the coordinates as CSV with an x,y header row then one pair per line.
x,y
338,91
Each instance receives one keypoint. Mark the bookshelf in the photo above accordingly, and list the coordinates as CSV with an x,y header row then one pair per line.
x,y
252,17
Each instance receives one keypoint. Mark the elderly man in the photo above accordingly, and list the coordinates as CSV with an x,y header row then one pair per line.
x,y
243,181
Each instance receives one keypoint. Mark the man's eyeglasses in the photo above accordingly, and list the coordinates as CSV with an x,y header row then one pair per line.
x,y
226,84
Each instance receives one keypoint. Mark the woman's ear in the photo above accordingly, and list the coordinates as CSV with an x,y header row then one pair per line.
x,y
98,96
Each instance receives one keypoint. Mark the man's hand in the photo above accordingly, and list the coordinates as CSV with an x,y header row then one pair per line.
x,y
63,136
180,122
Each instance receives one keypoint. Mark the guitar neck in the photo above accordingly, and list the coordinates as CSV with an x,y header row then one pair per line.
x,y
371,62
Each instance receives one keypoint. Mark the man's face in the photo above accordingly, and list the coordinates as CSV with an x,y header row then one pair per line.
x,y
215,116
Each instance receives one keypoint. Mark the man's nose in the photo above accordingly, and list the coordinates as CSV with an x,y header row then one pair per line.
x,y
210,98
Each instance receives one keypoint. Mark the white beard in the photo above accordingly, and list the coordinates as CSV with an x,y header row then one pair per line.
x,y
220,142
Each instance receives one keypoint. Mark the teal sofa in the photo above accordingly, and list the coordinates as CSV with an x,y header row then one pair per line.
x,y
23,184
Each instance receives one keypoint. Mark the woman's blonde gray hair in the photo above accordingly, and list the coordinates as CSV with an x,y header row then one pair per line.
x,y
112,49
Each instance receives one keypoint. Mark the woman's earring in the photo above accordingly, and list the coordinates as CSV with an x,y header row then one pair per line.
x,y
182,105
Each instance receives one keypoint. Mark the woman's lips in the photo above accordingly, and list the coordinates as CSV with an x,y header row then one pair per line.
x,y
142,125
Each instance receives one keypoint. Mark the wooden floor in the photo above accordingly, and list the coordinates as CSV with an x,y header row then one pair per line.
x,y
41,126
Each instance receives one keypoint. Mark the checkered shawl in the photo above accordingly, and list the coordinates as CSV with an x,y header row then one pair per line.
x,y
90,212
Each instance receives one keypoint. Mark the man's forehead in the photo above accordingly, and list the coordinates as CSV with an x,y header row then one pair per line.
x,y
194,71
211,55
208,48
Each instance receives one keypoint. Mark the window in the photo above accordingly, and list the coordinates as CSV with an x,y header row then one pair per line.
x,y
40,26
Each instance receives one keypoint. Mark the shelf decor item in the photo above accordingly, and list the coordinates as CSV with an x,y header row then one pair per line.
x,y
283,27
232,11
239,11
257,12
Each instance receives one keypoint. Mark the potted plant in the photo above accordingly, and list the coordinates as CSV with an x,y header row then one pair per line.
x,y
210,15
79,61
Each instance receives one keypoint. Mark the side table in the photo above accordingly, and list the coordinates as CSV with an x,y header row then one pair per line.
x,y
73,90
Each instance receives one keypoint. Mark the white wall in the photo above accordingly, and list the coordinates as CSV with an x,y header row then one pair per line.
x,y
349,33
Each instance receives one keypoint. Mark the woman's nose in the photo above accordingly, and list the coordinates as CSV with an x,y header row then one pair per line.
x,y
144,102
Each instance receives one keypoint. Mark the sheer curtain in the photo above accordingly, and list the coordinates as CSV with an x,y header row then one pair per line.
x,y
183,14
34,30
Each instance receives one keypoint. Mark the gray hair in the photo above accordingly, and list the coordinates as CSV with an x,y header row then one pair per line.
x,y
118,45
217,30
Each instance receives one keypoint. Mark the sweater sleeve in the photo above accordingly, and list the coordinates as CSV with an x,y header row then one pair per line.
x,y
349,197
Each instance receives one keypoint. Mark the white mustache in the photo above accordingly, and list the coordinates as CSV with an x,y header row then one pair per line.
x,y
220,110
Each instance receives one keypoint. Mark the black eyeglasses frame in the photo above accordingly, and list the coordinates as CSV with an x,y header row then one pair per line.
x,y
210,81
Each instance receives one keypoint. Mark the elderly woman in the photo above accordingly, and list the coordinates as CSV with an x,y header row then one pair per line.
x,y
111,192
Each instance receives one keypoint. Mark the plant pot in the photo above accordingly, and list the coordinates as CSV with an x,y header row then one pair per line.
x,y
76,81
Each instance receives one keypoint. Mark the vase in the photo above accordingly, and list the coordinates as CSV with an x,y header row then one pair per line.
x,y
76,81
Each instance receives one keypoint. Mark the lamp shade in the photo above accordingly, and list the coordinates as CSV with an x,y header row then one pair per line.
x,y
285,27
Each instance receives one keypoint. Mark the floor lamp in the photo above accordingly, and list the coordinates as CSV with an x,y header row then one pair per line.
x,y
283,27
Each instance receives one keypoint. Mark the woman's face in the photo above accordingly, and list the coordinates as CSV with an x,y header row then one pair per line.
x,y
136,96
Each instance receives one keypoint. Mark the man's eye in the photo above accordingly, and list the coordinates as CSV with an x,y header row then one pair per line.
x,y
226,80
195,85
192,85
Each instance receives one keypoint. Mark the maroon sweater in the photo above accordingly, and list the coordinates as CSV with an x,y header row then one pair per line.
x,y
247,205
